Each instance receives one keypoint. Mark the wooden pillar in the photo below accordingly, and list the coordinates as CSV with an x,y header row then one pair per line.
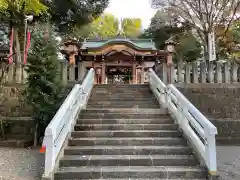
x,y
134,79
103,71
169,68
93,66
142,74
142,71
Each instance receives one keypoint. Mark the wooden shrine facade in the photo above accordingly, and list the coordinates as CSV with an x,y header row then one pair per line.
x,y
117,60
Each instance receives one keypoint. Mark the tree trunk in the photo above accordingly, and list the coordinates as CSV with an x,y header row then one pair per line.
x,y
18,58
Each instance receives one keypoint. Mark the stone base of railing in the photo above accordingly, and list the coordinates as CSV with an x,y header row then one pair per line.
x,y
213,177
47,178
51,176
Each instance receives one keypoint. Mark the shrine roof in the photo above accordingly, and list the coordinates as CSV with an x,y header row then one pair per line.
x,y
141,44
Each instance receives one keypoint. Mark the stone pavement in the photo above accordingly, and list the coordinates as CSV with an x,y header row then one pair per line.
x,y
21,164
229,162
27,164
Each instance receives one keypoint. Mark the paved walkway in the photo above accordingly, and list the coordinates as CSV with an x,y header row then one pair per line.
x,y
27,164
229,162
20,164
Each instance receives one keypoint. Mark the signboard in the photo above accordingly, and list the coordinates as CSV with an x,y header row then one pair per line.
x,y
211,46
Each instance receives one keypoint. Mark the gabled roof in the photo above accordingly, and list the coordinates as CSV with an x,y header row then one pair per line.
x,y
140,44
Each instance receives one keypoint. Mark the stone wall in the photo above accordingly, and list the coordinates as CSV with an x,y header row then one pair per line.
x,y
12,101
16,131
221,104
15,116
16,124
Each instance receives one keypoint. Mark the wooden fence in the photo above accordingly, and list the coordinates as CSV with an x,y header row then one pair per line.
x,y
200,72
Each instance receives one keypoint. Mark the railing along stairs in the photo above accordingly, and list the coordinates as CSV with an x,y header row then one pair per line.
x,y
199,131
63,122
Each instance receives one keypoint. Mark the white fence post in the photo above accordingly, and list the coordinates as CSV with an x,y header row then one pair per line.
x,y
211,152
49,155
167,97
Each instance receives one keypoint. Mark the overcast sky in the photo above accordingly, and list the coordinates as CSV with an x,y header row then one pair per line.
x,y
133,9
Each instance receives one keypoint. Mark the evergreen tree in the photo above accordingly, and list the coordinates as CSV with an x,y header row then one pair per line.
x,y
43,83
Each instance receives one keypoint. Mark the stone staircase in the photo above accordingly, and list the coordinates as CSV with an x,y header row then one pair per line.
x,y
125,134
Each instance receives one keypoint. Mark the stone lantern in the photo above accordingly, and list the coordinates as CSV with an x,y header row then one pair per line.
x,y
170,48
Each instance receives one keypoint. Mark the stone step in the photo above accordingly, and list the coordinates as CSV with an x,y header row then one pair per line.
x,y
166,172
127,150
128,141
126,115
120,100
127,160
119,120
123,100
122,105
125,133
123,90
126,102
87,127
127,88
123,111
133,179
121,86
121,95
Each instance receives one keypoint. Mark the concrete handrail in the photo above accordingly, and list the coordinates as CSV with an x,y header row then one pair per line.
x,y
62,123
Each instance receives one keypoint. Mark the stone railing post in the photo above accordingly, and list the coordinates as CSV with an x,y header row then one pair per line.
x,y
226,75
24,74
161,71
210,72
81,71
203,72
218,72
195,71
71,72
171,75
10,73
234,72
64,72
180,75
187,77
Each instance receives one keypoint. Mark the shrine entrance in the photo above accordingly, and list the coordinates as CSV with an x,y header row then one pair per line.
x,y
115,61
118,75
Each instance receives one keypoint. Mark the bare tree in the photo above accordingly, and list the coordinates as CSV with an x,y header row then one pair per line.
x,y
203,15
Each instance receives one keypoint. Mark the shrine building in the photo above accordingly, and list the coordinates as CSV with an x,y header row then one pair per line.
x,y
116,61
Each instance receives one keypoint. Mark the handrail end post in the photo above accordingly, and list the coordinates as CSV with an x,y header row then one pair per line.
x,y
212,131
47,177
211,155
48,142
213,175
